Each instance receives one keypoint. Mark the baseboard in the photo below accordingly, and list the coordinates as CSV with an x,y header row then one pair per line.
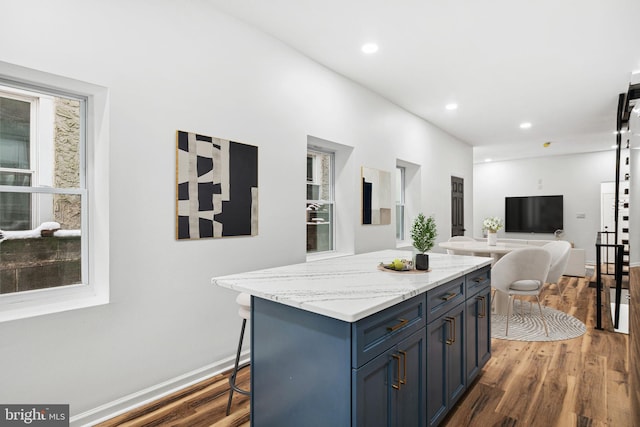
x,y
142,397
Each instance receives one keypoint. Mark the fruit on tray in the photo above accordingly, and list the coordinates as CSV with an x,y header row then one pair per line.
x,y
399,265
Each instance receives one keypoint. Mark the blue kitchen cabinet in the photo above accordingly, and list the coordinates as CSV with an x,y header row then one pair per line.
x,y
405,365
478,324
446,377
310,370
390,389
478,321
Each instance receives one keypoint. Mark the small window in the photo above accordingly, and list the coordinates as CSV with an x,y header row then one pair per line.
x,y
400,205
55,254
320,201
41,195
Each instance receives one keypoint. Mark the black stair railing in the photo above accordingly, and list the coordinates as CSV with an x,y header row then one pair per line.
x,y
626,103
618,257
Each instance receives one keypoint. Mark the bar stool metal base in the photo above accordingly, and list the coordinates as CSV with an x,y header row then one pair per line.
x,y
232,378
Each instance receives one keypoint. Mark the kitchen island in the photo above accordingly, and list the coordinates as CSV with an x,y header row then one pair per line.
x,y
341,342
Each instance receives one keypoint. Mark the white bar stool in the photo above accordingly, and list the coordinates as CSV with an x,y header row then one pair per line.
x,y
244,311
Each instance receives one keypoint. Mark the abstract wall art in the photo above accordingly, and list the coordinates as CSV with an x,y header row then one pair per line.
x,y
376,196
216,187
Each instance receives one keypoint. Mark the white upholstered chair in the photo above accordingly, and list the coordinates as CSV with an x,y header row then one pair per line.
x,y
522,273
559,251
460,239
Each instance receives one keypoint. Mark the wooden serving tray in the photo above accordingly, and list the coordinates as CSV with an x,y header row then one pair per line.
x,y
412,271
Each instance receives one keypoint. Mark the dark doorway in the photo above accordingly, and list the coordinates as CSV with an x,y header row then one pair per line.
x,y
457,206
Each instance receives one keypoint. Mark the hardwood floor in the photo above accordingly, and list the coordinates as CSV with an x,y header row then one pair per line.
x,y
203,404
578,382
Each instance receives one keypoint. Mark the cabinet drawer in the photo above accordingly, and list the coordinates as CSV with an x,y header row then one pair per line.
x,y
445,296
378,332
477,280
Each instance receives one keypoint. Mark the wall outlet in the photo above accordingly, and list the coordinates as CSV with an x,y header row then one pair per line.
x,y
581,215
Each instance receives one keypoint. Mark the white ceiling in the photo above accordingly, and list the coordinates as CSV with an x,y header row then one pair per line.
x,y
559,64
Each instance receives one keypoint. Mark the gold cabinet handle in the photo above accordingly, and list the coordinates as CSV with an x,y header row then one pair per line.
x,y
397,386
398,326
404,367
450,296
452,330
478,279
482,313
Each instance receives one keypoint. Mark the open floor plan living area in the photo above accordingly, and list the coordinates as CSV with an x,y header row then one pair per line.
x,y
319,213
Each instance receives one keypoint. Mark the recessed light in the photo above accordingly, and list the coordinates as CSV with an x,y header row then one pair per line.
x,y
615,147
369,48
487,160
525,125
634,72
452,106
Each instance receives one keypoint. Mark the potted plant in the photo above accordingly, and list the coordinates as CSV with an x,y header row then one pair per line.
x,y
423,234
491,225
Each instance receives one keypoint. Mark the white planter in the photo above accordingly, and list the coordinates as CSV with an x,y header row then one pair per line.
x,y
492,239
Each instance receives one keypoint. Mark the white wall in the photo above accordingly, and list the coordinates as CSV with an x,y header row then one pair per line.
x,y
175,65
576,177
440,156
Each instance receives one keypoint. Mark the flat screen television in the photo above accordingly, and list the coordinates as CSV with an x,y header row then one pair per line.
x,y
533,214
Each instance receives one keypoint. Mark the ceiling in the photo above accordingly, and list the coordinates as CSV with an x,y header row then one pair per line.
x,y
558,64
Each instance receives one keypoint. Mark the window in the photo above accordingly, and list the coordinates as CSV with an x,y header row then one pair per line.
x,y
51,128
41,138
15,159
320,201
400,210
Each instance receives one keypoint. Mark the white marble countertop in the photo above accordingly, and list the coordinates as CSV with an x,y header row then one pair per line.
x,y
352,287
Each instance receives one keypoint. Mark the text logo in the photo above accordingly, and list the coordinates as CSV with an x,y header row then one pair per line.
x,y
34,415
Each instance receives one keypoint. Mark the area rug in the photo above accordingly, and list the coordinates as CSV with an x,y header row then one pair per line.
x,y
527,326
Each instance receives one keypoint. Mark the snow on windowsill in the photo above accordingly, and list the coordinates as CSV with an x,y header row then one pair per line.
x,y
52,227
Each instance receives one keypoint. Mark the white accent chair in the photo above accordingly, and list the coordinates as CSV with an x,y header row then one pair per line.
x,y
460,239
559,251
522,273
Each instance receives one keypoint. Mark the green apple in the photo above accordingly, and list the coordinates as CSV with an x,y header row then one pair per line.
x,y
398,264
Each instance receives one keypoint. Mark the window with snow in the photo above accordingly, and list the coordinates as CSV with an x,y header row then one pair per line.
x,y
42,188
